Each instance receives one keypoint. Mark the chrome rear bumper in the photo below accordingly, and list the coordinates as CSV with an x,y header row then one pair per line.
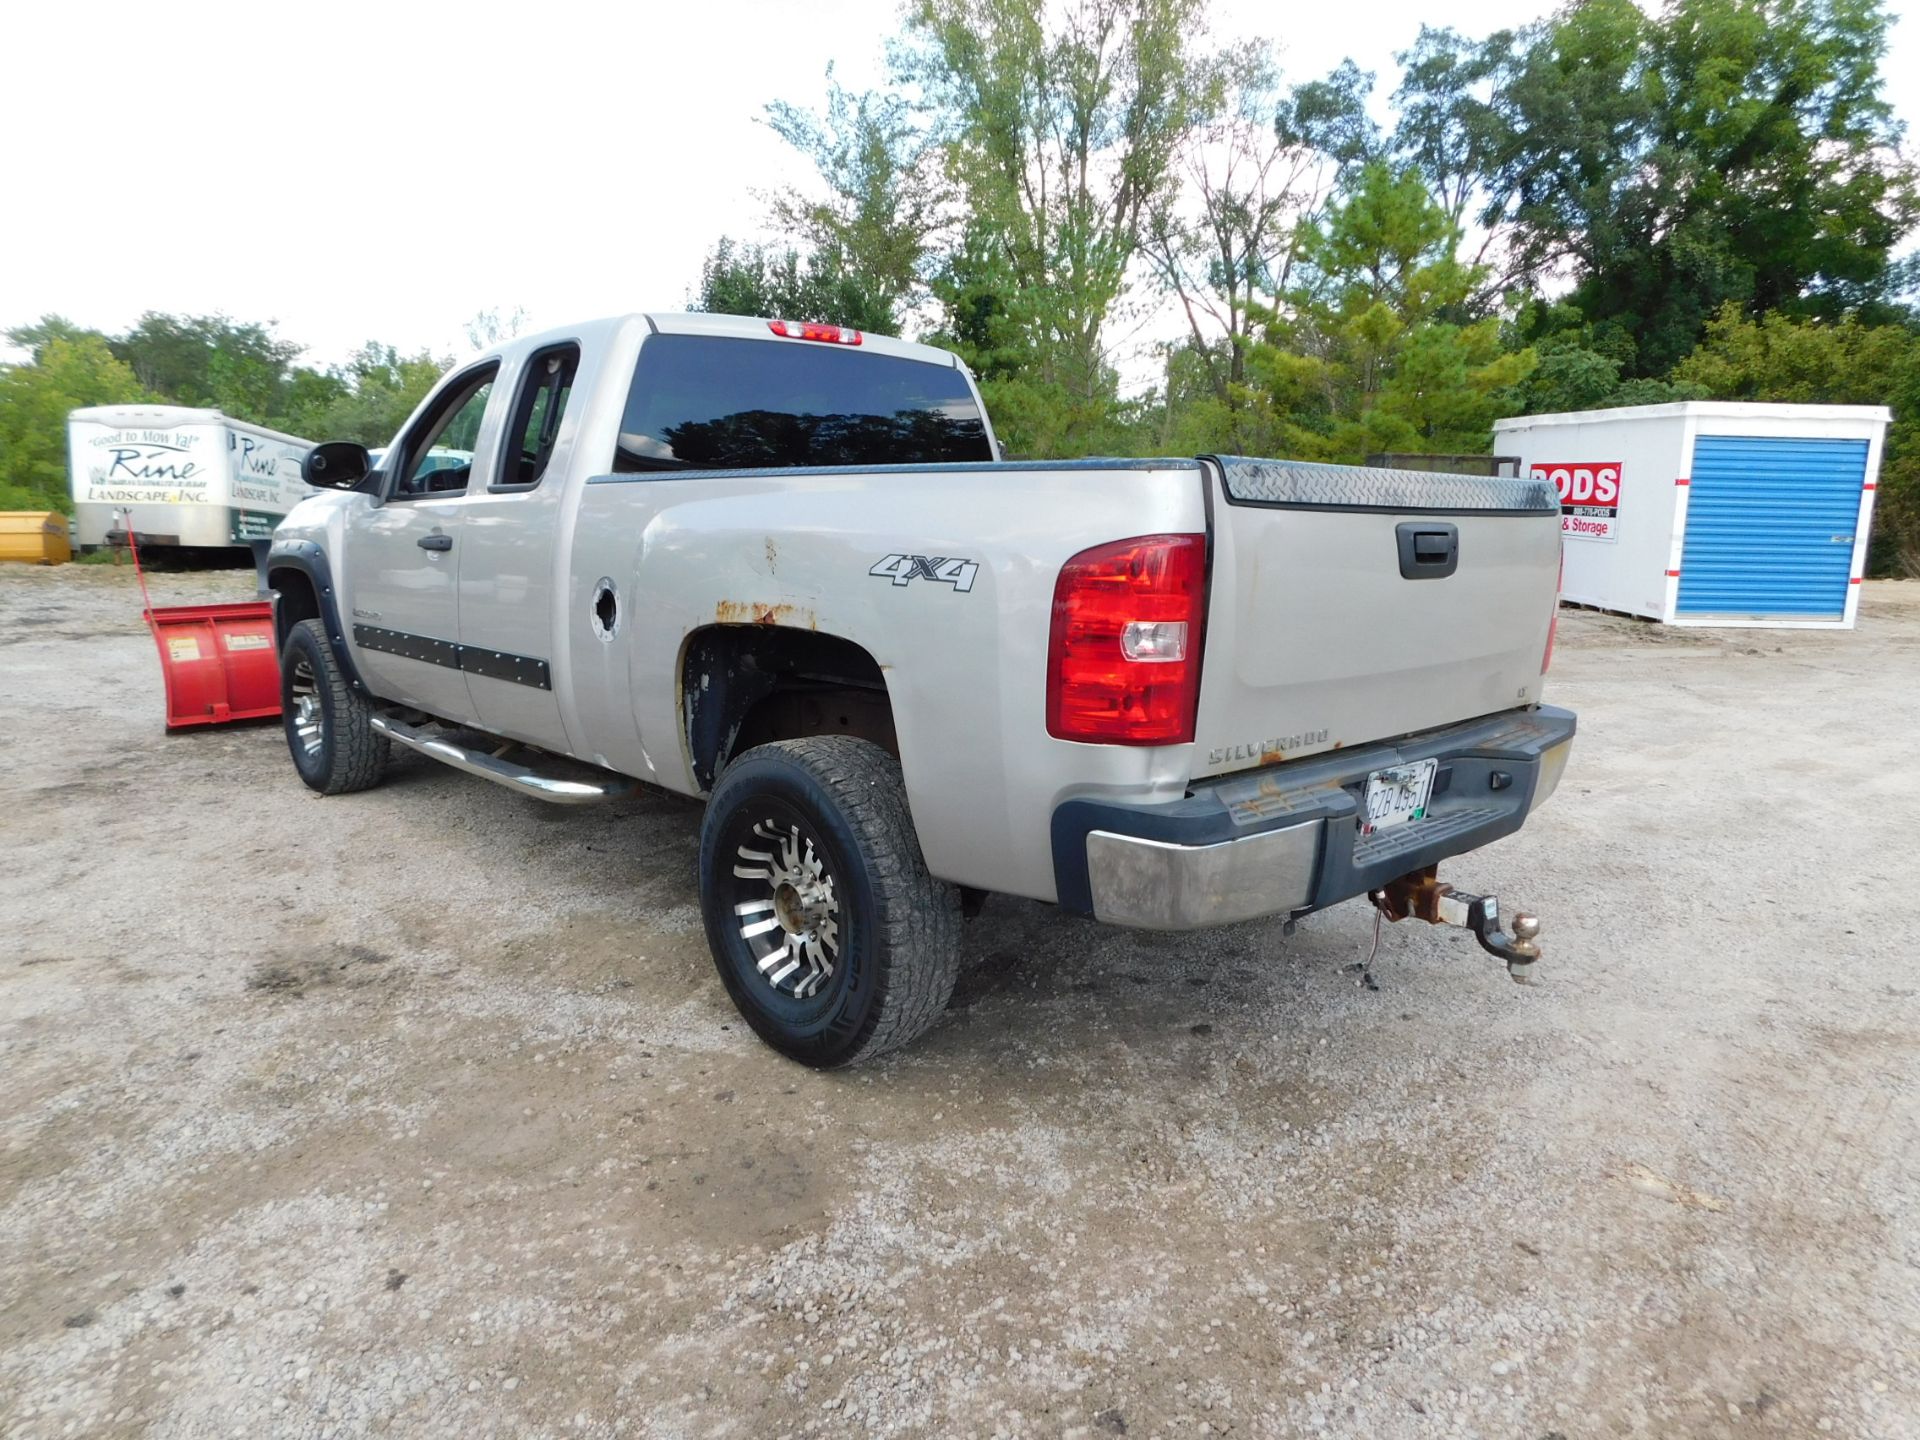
x,y
1157,885
1285,839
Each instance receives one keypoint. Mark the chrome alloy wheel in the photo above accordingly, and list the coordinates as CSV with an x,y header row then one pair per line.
x,y
790,917
307,715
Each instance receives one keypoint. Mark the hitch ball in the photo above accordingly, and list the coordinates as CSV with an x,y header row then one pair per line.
x,y
1524,953
1422,895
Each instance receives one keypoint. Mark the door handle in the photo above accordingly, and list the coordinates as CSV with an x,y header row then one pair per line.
x,y
1429,550
436,542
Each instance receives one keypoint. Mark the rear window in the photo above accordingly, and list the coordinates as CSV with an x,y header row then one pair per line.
x,y
702,402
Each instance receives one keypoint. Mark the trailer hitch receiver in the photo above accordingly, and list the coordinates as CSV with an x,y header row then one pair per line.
x,y
1422,895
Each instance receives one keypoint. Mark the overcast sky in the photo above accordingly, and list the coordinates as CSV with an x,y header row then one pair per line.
x,y
357,171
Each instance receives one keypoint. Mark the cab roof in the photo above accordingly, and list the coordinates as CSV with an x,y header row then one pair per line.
x,y
744,327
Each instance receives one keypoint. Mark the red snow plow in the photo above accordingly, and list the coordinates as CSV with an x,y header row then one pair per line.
x,y
218,661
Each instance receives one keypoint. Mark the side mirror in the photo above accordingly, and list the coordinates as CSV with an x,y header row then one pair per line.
x,y
336,465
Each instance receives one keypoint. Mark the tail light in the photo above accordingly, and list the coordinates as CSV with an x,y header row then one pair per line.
x,y
831,334
1553,625
1123,659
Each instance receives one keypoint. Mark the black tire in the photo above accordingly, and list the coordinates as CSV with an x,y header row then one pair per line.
x,y
814,836
329,724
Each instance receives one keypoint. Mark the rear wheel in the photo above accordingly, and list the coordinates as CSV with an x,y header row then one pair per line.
x,y
828,932
329,724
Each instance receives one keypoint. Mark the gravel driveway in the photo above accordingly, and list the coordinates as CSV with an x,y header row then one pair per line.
x,y
422,1112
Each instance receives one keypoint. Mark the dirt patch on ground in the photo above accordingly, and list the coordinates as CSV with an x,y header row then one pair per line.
x,y
422,1112
295,974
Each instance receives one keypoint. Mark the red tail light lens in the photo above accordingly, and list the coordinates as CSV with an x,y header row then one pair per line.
x,y
1123,659
1553,625
831,334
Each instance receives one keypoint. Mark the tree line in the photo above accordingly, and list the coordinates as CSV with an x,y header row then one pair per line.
x,y
1607,207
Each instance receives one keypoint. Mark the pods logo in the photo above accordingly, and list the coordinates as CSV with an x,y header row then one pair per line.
x,y
1589,497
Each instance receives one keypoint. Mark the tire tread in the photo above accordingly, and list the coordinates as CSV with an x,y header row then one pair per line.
x,y
356,753
918,920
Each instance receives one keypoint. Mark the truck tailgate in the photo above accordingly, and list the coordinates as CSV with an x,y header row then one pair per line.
x,y
1351,604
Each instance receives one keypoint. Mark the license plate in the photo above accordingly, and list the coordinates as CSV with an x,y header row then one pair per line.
x,y
1398,794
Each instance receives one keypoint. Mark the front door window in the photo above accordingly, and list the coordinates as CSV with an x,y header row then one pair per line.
x,y
438,457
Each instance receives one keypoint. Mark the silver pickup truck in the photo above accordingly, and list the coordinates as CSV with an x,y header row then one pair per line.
x,y
780,566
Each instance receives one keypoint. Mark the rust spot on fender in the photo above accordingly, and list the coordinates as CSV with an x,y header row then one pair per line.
x,y
749,612
1272,757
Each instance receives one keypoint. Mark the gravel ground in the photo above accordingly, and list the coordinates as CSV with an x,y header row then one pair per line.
x,y
422,1112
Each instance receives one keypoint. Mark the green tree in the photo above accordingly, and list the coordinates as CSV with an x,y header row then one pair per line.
x,y
69,370
1449,127
1278,409
1568,375
985,315
1454,126
1376,325
369,398
1726,150
243,383
208,360
776,283
33,338
1578,367
884,193
1256,169
1790,360
1058,126
309,398
995,325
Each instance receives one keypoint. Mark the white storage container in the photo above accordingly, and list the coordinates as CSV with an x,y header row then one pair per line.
x,y
1710,513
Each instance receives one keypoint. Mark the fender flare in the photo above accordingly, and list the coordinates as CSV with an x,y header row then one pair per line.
x,y
310,560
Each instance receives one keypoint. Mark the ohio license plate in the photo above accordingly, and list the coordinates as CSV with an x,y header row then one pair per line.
x,y
1398,794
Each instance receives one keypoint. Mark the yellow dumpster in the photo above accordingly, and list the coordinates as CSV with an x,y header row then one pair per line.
x,y
38,537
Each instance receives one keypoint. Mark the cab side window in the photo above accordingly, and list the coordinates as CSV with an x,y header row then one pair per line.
x,y
438,456
534,427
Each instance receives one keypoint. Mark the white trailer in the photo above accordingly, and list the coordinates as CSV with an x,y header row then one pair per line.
x,y
184,477
1710,512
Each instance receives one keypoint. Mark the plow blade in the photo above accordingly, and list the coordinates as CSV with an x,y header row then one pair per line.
x,y
218,662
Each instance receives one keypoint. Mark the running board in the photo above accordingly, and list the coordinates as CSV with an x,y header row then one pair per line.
x,y
554,789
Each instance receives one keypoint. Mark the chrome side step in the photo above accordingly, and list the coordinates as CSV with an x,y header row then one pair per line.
x,y
554,789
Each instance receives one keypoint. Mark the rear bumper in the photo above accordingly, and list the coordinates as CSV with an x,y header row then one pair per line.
x,y
1286,839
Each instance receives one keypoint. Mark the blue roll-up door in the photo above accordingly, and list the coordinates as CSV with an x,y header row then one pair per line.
x,y
1770,526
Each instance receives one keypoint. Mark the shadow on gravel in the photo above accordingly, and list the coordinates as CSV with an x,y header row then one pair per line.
x,y
1032,976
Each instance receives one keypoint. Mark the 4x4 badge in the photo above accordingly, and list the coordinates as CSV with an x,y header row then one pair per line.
x,y
901,569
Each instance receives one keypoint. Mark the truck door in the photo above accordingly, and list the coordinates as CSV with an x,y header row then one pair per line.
x,y
402,555
510,566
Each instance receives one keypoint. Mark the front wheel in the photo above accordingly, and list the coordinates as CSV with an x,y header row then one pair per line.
x,y
828,932
329,724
